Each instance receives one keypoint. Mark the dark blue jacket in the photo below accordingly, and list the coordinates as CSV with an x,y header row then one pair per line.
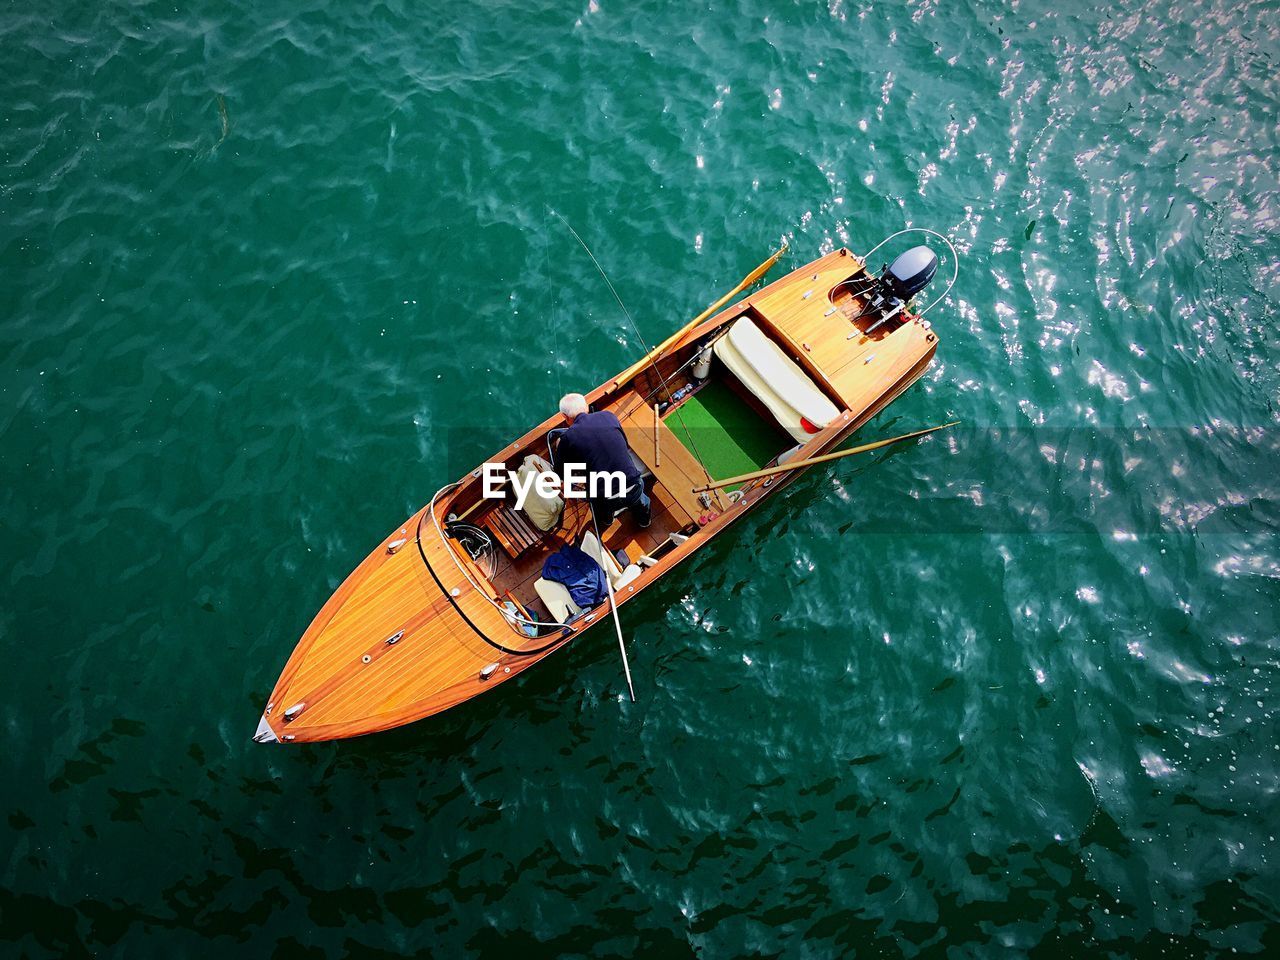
x,y
597,440
583,577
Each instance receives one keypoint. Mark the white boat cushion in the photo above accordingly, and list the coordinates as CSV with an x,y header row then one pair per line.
x,y
629,574
619,577
557,600
591,547
774,378
543,512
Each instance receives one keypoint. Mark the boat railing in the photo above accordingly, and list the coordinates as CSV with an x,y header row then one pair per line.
x,y
955,260
514,619
554,434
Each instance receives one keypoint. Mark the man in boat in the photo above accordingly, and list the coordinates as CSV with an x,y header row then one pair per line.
x,y
596,440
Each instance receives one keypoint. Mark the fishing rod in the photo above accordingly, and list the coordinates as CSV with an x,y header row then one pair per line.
x,y
621,306
651,356
613,602
676,337
609,283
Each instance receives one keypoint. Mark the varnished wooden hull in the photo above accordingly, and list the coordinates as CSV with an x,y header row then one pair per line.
x,y
407,635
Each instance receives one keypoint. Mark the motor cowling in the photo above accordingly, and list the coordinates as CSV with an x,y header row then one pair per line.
x,y
888,294
909,273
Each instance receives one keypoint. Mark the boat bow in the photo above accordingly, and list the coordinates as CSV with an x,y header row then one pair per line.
x,y
404,637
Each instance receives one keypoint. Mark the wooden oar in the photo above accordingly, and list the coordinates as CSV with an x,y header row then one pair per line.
x,y
825,458
675,338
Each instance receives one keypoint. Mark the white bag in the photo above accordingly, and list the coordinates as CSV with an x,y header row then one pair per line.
x,y
543,512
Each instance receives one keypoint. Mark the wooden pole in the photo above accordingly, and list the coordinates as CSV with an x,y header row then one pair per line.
x,y
675,338
825,458
657,422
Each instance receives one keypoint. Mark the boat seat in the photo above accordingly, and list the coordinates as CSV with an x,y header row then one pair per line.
x,y
774,379
642,468
618,576
555,597
511,529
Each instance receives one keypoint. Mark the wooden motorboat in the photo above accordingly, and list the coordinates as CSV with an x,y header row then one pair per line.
x,y
451,604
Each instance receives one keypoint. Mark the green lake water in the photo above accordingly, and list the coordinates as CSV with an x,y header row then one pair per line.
x,y
271,274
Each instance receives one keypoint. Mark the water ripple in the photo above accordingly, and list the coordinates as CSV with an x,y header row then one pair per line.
x,y
272,279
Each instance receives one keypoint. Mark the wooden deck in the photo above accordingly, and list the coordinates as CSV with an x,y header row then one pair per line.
x,y
434,663
823,337
675,468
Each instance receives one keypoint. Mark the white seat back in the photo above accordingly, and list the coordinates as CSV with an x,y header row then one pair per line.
x,y
617,576
556,598
775,379
592,548
543,512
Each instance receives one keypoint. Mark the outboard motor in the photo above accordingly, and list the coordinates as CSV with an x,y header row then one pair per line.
x,y
899,282
910,273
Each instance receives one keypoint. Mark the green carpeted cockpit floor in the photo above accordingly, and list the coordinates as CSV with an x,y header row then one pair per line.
x,y
716,425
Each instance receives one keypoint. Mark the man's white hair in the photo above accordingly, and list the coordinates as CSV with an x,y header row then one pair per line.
x,y
573,405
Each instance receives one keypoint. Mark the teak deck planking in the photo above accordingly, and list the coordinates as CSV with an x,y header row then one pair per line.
x,y
678,471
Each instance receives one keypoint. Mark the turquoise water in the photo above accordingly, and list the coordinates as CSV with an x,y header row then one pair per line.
x,y
272,274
